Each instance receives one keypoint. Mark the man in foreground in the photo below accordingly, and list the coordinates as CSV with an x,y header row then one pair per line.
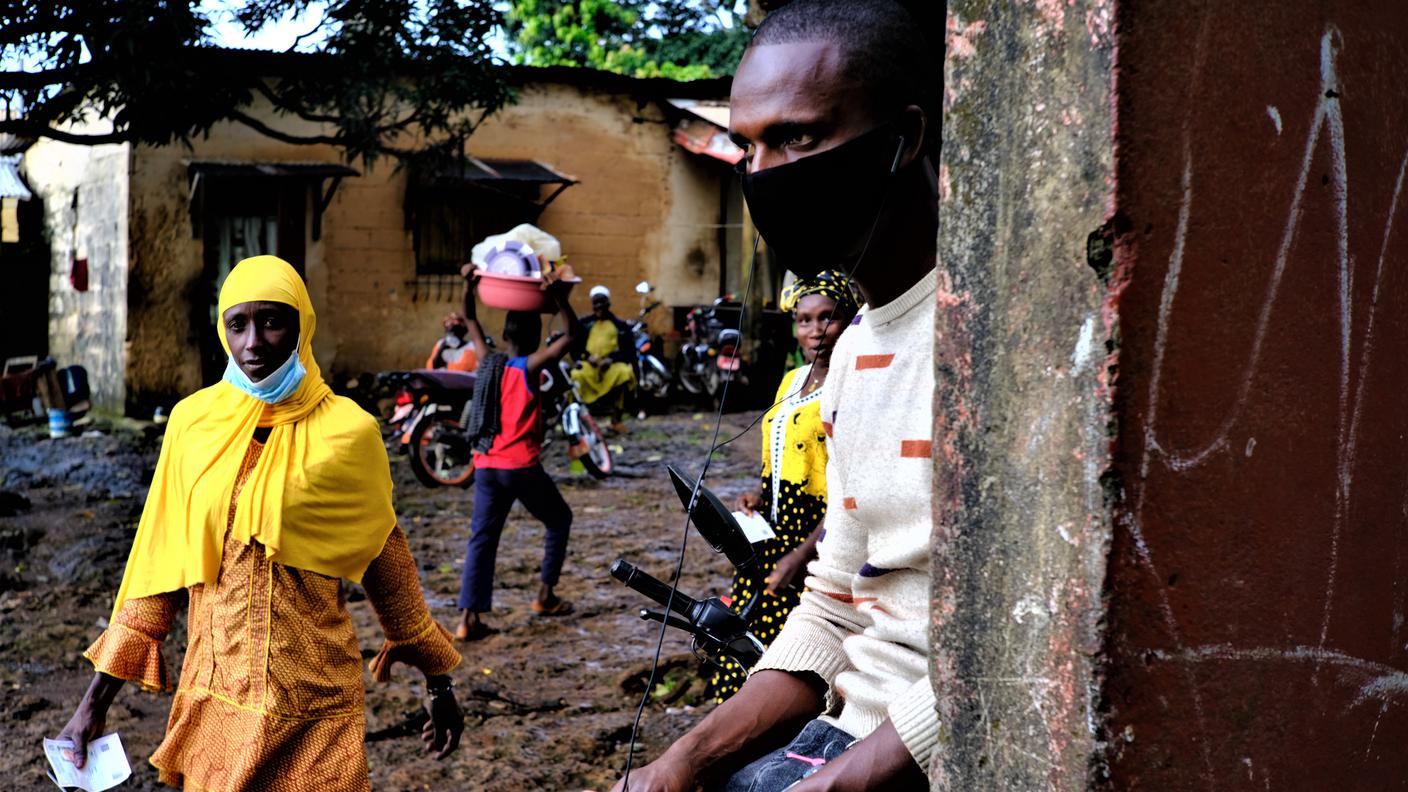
x,y
833,105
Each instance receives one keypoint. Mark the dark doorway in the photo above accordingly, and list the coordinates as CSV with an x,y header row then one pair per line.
x,y
24,258
244,216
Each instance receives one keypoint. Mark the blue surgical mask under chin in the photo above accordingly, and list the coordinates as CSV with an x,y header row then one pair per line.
x,y
272,389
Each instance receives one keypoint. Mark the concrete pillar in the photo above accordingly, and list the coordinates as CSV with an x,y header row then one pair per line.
x,y
1170,507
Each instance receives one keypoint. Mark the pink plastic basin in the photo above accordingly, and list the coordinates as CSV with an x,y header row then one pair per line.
x,y
517,292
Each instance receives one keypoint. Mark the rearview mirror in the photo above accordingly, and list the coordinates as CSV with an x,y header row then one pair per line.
x,y
644,287
714,522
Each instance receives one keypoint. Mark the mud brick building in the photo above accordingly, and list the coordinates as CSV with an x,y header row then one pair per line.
x,y
632,180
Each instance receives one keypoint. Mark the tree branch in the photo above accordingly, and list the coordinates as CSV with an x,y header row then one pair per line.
x,y
284,137
31,80
274,99
22,127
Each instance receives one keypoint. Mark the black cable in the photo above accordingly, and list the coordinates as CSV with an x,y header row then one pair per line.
x,y
714,445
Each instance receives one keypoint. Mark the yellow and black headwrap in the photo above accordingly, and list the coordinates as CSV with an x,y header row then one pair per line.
x,y
827,283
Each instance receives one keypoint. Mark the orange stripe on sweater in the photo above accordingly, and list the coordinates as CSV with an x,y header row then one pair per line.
x,y
916,448
864,362
837,597
848,503
826,427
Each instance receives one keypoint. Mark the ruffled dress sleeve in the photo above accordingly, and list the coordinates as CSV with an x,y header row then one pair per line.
x,y
413,636
130,648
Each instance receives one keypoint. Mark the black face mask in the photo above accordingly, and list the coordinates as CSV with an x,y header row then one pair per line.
x,y
817,212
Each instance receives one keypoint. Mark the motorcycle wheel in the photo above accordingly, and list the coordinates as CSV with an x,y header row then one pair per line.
x,y
597,460
439,454
713,383
689,381
653,391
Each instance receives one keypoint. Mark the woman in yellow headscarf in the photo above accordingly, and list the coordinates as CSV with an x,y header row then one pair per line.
x,y
269,490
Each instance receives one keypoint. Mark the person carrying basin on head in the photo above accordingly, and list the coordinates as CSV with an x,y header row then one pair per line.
x,y
606,359
268,491
793,494
834,103
506,429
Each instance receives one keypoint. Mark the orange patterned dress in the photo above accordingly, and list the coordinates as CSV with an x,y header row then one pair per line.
x,y
270,696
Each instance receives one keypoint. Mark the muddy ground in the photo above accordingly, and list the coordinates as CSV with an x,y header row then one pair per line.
x,y
549,702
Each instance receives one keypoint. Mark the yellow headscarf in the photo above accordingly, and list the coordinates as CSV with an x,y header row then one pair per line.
x,y
319,498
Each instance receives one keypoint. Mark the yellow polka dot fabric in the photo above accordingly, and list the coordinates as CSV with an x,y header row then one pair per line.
x,y
794,456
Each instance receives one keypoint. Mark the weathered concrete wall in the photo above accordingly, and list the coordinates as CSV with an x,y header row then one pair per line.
x,y
644,210
1257,637
86,328
1021,531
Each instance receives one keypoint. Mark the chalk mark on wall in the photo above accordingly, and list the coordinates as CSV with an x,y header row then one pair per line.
x,y
1376,681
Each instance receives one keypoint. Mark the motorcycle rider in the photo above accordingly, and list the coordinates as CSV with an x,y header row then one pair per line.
x,y
606,358
455,351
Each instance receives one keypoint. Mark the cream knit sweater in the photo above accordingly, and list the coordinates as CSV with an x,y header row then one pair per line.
x,y
863,623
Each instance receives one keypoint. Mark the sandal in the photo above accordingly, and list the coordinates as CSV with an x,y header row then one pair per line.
x,y
560,608
478,632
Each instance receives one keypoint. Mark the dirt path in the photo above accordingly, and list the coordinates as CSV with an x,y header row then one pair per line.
x,y
549,701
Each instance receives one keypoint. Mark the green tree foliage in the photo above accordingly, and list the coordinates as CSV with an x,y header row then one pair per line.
x,y
373,77
679,39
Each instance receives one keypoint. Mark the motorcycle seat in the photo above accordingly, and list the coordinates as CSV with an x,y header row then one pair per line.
x,y
449,380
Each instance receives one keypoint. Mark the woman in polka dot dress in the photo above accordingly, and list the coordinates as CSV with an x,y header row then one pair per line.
x,y
793,495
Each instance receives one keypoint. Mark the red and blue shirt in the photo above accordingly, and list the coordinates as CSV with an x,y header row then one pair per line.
x,y
519,443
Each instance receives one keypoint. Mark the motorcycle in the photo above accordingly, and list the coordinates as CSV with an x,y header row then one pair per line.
x,y
711,354
433,432
429,420
653,378
719,630
562,402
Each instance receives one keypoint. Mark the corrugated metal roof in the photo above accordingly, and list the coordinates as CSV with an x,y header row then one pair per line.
x,y
716,113
294,169
11,184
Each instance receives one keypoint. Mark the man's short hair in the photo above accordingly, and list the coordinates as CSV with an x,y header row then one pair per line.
x,y
883,45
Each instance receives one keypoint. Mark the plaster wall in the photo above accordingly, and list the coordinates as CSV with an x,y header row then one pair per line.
x,y
168,287
1257,634
85,195
644,209
1021,401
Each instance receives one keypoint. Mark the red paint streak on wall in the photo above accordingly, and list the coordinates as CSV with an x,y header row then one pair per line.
x,y
1255,598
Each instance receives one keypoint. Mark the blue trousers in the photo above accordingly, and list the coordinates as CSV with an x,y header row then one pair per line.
x,y
816,744
495,491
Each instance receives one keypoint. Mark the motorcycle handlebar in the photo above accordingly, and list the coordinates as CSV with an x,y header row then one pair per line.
x,y
652,587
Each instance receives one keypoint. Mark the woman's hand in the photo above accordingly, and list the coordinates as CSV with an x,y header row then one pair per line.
x,y
441,733
749,502
791,570
85,726
90,718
